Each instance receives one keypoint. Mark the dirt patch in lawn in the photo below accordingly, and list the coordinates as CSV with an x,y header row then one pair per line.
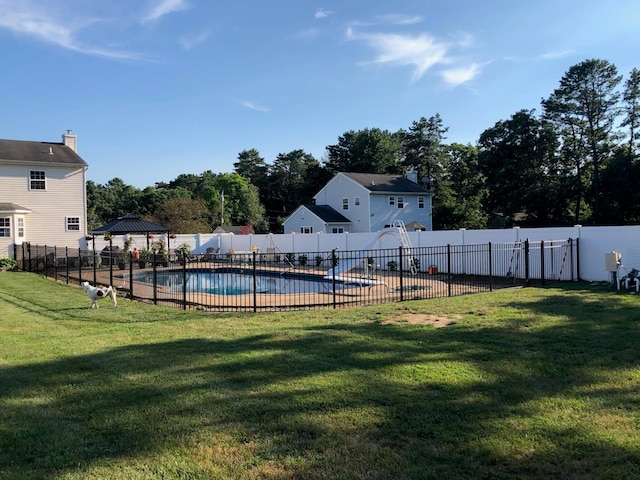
x,y
421,319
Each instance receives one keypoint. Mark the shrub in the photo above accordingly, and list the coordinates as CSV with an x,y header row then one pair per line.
x,y
8,263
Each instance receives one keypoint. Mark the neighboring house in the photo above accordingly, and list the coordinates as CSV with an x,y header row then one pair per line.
x,y
317,219
42,194
368,202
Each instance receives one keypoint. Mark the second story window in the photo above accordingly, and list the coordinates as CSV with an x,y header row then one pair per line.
x,y
392,201
400,202
356,201
420,202
37,180
345,204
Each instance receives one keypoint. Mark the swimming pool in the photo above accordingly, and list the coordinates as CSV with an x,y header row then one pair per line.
x,y
239,281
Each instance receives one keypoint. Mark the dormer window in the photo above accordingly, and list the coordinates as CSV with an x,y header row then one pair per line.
x,y
37,180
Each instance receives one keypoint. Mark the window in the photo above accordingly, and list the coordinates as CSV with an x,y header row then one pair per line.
x,y
20,227
37,180
73,224
400,202
337,230
306,229
356,201
345,204
392,201
5,226
420,202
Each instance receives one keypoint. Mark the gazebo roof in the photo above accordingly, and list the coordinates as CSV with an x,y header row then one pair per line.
x,y
130,223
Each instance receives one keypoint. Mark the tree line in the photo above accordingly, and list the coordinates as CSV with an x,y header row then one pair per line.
x,y
576,162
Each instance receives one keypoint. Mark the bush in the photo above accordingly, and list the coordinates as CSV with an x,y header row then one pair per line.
x,y
8,263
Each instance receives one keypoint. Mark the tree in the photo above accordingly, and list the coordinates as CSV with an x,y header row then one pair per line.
x,y
583,109
367,151
462,206
184,215
518,159
423,147
290,178
251,166
241,203
631,109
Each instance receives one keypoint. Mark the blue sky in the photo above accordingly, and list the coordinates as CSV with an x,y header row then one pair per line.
x,y
156,88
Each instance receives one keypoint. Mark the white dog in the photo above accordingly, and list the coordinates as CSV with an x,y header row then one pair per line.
x,y
94,293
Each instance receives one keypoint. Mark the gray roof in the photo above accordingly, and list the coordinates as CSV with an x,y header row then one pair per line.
x,y
12,207
375,182
327,214
21,151
130,223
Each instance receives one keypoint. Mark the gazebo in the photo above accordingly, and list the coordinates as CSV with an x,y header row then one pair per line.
x,y
129,224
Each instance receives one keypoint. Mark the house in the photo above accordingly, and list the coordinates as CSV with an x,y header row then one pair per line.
x,y
364,202
42,194
317,219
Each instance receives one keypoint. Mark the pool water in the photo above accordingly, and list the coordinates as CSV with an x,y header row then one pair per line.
x,y
229,281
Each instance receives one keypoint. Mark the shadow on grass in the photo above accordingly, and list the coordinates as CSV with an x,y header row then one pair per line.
x,y
515,400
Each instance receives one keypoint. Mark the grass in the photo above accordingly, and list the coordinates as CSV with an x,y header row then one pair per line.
x,y
526,383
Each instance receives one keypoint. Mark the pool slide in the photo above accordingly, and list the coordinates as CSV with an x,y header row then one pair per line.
x,y
347,265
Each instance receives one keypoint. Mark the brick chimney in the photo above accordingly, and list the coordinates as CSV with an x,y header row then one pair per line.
x,y
70,140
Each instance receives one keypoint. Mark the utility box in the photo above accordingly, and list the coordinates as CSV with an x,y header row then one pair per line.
x,y
611,261
432,270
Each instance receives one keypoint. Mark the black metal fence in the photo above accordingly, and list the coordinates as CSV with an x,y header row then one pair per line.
x,y
257,281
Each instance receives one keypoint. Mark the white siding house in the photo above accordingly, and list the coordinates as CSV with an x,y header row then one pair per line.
x,y
316,219
42,194
371,202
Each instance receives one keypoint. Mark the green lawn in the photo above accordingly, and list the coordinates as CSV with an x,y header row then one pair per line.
x,y
524,383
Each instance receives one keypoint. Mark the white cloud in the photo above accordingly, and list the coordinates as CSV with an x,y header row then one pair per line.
x,y
253,106
322,13
397,19
190,41
44,26
457,76
165,7
558,54
422,51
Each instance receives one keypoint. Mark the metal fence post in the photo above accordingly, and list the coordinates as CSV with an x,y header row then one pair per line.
x,y
526,262
184,281
577,259
400,271
95,266
155,279
255,283
111,260
449,278
490,269
130,275
334,264
66,264
80,266
542,261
